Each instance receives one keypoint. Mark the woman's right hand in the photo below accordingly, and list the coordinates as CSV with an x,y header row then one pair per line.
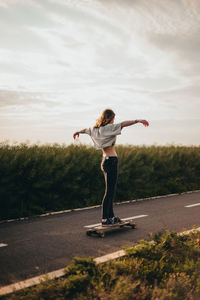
x,y
144,122
76,134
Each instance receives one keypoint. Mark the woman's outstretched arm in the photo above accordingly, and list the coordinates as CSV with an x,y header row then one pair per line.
x,y
133,122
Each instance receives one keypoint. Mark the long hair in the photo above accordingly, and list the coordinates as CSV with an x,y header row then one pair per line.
x,y
106,117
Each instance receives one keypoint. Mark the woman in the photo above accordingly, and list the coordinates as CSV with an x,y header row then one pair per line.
x,y
104,135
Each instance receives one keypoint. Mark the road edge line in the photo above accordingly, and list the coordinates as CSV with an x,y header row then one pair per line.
x,y
95,206
11,288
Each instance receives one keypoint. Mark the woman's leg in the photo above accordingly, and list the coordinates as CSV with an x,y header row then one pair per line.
x,y
109,168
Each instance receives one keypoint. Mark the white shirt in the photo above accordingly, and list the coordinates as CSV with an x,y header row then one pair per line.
x,y
104,136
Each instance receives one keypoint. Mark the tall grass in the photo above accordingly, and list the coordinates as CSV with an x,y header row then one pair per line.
x,y
39,178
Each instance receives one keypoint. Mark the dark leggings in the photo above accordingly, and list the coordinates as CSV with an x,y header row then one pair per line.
x,y
109,168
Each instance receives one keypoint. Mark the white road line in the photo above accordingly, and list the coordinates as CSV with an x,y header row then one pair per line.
x,y
192,205
93,225
124,219
136,217
3,245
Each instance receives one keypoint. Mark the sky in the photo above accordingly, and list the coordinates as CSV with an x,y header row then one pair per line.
x,y
62,62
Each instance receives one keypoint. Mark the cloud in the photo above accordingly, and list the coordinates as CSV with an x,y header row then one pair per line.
x,y
64,61
17,98
19,13
184,48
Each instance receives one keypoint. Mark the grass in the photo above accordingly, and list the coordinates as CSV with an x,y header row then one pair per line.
x,y
166,268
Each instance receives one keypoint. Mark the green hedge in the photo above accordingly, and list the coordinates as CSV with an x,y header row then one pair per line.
x,y
39,178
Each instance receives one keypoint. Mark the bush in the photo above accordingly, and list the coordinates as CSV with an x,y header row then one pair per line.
x,y
37,179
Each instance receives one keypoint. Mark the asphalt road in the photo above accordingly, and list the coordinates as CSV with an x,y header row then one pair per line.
x,y
44,244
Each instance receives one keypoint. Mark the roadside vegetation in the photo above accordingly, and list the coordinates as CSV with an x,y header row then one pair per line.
x,y
35,179
165,268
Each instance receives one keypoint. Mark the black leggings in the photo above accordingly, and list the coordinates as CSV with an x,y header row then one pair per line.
x,y
109,168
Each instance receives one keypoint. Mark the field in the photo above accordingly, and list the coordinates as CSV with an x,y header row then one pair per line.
x,y
35,179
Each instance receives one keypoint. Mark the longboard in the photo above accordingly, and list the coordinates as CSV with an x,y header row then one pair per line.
x,y
102,230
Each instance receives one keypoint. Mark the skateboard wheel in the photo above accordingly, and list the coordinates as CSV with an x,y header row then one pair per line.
x,y
102,234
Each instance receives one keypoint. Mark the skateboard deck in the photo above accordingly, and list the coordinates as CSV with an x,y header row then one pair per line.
x,y
102,230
